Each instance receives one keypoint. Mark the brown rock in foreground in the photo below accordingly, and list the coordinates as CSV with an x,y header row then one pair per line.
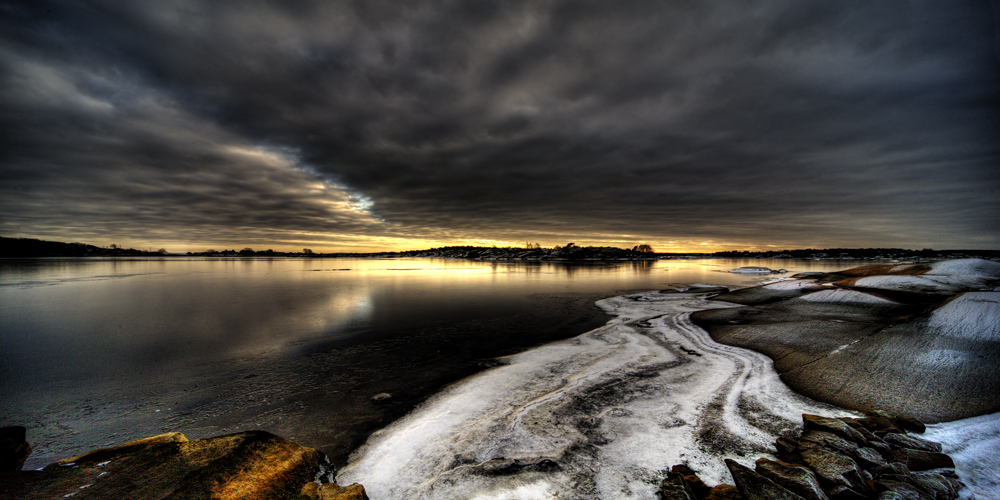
x,y
248,465
754,486
332,491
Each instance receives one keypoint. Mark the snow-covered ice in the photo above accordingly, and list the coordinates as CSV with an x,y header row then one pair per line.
x,y
974,445
602,415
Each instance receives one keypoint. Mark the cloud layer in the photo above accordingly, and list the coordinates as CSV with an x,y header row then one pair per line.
x,y
348,125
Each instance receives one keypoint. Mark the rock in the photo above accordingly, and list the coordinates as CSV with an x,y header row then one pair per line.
x,y
674,487
754,486
918,460
724,492
909,424
14,448
873,440
901,490
381,397
310,491
332,491
123,449
833,468
785,445
904,441
335,492
698,487
878,423
833,425
868,458
891,468
796,478
840,492
248,465
828,441
943,488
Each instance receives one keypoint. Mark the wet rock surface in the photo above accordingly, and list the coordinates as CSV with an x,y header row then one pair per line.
x,y
818,466
247,465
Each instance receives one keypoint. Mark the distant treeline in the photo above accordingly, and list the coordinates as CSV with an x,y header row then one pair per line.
x,y
26,247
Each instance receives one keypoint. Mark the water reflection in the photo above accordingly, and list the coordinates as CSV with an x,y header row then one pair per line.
x,y
316,337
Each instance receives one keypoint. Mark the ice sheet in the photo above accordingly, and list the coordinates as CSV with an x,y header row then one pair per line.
x,y
973,444
602,415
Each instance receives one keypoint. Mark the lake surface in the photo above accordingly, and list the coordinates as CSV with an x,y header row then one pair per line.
x,y
96,352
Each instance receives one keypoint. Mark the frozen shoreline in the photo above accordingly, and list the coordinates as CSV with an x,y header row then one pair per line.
x,y
603,415
600,415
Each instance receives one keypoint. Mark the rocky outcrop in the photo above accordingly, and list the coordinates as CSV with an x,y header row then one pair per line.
x,y
836,459
14,449
248,465
912,339
332,491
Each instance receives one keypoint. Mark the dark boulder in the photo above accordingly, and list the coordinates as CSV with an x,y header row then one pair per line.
x,y
796,478
827,441
754,486
900,489
918,460
833,425
841,492
833,468
698,487
904,441
868,458
674,487
14,448
909,424
724,492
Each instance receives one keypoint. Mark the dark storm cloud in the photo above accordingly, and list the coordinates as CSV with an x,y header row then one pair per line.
x,y
798,123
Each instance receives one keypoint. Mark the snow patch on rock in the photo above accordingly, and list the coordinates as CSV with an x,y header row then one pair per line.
x,y
793,285
845,297
980,268
904,283
972,316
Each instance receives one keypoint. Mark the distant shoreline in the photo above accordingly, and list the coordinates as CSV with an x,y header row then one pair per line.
x,y
34,248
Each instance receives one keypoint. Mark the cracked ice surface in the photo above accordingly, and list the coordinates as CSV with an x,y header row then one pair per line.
x,y
602,415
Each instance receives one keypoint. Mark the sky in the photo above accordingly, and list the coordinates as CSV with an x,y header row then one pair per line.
x,y
371,125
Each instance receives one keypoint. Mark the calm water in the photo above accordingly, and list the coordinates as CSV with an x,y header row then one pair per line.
x,y
98,352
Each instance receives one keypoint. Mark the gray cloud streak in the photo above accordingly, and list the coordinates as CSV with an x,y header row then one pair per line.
x,y
786,122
